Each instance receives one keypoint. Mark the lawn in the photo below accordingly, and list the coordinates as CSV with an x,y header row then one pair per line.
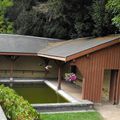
x,y
72,116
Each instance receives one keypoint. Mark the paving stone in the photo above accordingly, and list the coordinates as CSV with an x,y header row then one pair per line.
x,y
2,115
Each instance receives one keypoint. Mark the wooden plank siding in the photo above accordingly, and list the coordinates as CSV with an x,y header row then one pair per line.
x,y
119,85
27,67
92,67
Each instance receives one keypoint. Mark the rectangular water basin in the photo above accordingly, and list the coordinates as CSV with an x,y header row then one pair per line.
x,y
37,93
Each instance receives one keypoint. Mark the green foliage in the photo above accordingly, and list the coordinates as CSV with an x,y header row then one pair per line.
x,y
15,107
30,23
63,18
83,20
99,16
4,4
101,19
116,21
114,7
70,17
5,25
56,7
27,21
56,22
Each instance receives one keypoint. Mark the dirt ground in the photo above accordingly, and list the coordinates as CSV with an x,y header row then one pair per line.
x,y
109,111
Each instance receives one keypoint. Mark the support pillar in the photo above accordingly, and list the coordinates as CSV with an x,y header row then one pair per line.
x,y
12,59
60,64
59,78
11,70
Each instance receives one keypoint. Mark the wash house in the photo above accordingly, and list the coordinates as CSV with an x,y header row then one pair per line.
x,y
89,58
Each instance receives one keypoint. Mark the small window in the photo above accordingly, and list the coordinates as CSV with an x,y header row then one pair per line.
x,y
73,69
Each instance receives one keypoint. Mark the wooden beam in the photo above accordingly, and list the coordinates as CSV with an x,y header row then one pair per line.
x,y
17,54
52,57
59,78
60,64
11,70
13,59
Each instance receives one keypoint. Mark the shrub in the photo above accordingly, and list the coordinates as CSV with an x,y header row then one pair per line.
x,y
15,107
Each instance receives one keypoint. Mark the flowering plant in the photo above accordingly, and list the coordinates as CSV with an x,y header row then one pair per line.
x,y
70,77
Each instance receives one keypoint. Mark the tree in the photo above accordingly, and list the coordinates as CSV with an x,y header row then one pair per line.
x,y
5,25
58,22
70,17
83,19
27,21
64,19
101,18
114,7
30,23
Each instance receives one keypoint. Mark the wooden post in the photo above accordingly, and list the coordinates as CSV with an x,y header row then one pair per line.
x,y
13,59
59,77
11,70
60,64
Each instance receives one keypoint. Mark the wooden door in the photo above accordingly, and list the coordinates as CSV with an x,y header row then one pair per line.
x,y
114,94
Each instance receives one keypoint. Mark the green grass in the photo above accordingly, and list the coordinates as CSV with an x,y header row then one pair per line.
x,y
72,116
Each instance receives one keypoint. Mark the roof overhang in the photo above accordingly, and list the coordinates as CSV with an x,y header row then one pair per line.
x,y
82,53
67,58
17,54
52,57
93,49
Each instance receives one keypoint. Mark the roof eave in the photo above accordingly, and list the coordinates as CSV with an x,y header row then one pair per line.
x,y
52,57
18,54
93,49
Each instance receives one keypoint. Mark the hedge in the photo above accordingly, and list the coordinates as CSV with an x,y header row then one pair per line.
x,y
15,107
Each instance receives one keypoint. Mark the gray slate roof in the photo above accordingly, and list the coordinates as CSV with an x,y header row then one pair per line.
x,y
59,50
71,47
23,44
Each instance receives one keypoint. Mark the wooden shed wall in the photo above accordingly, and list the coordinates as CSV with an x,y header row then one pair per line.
x,y
26,67
92,67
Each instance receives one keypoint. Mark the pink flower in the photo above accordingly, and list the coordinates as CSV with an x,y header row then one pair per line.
x,y
70,77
